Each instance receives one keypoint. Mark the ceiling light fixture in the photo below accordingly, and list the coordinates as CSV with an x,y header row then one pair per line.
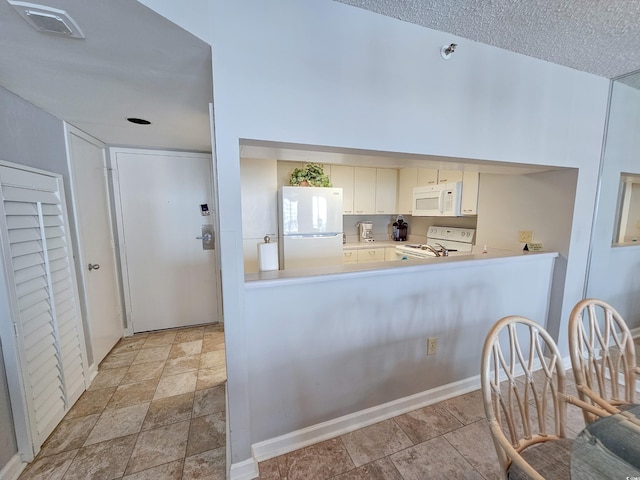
x,y
139,121
47,19
447,50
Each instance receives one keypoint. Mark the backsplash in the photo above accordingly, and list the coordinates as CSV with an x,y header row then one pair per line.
x,y
416,233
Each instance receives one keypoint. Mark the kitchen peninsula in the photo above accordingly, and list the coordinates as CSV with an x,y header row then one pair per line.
x,y
455,261
347,345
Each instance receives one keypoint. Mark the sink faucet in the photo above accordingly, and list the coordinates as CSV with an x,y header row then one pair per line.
x,y
443,251
431,249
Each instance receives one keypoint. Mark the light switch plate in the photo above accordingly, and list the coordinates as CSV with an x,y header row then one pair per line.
x,y
525,236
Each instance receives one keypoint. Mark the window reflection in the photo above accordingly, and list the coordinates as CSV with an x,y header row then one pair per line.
x,y
628,225
320,213
289,215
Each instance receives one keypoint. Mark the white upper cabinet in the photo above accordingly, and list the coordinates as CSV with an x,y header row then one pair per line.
x,y
449,176
342,176
470,186
364,191
389,191
427,176
386,191
407,181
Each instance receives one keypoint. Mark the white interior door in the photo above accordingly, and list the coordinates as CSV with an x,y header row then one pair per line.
x,y
96,246
169,279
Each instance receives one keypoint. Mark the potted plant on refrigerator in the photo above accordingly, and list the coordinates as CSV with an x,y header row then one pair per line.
x,y
311,174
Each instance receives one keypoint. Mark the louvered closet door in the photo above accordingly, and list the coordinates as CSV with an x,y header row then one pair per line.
x,y
45,309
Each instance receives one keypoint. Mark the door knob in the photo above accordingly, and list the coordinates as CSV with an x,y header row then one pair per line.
x,y
206,237
94,266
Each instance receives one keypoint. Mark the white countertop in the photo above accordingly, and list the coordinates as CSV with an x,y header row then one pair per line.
x,y
455,260
374,244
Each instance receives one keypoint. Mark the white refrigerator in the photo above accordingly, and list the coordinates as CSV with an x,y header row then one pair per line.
x,y
310,227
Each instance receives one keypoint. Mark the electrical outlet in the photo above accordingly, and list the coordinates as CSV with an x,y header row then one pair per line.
x,y
525,236
432,345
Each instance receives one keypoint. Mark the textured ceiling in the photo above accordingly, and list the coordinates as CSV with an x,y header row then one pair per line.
x,y
596,36
133,63
136,63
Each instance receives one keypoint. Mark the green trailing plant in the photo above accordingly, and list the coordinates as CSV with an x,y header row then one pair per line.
x,y
312,174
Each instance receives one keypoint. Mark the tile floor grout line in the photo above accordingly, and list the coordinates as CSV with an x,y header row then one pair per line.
x,y
124,472
413,444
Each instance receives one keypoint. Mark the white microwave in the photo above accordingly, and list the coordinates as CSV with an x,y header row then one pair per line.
x,y
441,200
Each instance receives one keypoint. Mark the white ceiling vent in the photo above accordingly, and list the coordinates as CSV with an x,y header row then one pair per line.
x,y
47,19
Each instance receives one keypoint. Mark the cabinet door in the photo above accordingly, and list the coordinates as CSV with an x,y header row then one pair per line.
x,y
370,255
386,190
390,254
427,176
470,185
349,256
342,177
407,181
39,264
364,191
449,176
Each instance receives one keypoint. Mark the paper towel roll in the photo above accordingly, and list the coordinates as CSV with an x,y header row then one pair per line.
x,y
267,256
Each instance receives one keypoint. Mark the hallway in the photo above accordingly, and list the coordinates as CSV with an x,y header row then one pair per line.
x,y
156,410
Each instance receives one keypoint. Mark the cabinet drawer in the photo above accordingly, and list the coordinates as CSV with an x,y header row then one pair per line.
x,y
349,256
371,255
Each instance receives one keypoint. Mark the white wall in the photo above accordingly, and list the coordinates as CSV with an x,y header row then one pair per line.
x,y
8,447
28,136
324,73
259,207
334,345
543,203
540,202
613,275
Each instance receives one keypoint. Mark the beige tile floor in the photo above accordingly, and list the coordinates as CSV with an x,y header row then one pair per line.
x,y
446,440
156,410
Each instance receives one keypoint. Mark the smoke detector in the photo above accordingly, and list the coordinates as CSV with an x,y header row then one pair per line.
x,y
47,19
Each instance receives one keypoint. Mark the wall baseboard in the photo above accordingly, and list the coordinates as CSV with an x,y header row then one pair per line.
x,y
13,468
245,470
333,428
93,372
261,451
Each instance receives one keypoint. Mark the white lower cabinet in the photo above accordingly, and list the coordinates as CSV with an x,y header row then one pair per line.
x,y
390,254
366,255
370,255
350,256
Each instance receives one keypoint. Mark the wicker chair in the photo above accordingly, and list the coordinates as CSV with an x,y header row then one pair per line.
x,y
602,356
523,389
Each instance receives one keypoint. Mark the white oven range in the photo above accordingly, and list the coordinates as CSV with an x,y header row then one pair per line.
x,y
453,239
